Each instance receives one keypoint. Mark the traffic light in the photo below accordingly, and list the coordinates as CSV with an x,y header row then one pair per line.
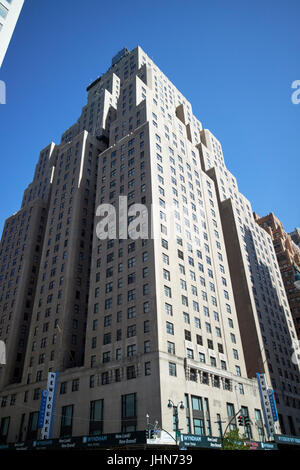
x,y
241,420
147,432
247,420
152,435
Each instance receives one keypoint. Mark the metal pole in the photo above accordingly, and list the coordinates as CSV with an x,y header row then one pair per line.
x,y
175,408
219,422
233,417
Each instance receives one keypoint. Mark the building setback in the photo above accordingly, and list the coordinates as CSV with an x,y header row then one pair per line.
x,y
132,323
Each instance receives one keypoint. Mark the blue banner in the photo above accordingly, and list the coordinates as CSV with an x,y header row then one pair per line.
x,y
273,404
42,408
50,404
260,377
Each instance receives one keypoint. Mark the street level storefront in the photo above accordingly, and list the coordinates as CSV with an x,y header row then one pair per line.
x,y
138,440
206,442
104,441
287,442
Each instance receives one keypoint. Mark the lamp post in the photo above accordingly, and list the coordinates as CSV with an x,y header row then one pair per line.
x,y
175,413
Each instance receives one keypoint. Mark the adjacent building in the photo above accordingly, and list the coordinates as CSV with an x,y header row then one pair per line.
x,y
295,236
288,256
189,312
9,14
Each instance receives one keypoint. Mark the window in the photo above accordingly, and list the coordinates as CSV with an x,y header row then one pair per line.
x,y
66,421
167,291
187,335
186,317
130,372
131,312
190,353
106,357
172,369
171,347
131,350
63,388
33,425
96,417
4,429
170,328
148,368
128,413
107,338
131,331
202,358
197,403
213,361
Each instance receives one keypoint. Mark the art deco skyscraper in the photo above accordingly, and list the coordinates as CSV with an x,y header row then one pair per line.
x,y
132,323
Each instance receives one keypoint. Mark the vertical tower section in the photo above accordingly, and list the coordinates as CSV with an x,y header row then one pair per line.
x,y
57,331
263,311
20,252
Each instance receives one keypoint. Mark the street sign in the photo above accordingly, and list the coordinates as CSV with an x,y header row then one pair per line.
x,y
268,409
49,407
272,404
193,440
44,395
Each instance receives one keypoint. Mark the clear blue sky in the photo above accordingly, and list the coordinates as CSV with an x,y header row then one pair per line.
x,y
234,60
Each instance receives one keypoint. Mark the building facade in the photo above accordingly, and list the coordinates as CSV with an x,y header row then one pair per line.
x,y
288,256
132,320
295,236
9,14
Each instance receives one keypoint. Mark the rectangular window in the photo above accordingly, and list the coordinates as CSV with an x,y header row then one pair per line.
x,y
197,403
33,425
170,328
131,373
96,417
66,421
129,413
172,369
4,429
199,427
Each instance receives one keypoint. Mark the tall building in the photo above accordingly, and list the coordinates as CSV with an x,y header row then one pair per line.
x,y
9,14
295,236
288,256
189,313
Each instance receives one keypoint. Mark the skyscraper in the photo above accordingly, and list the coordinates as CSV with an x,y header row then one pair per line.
x,y
9,14
288,256
132,322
